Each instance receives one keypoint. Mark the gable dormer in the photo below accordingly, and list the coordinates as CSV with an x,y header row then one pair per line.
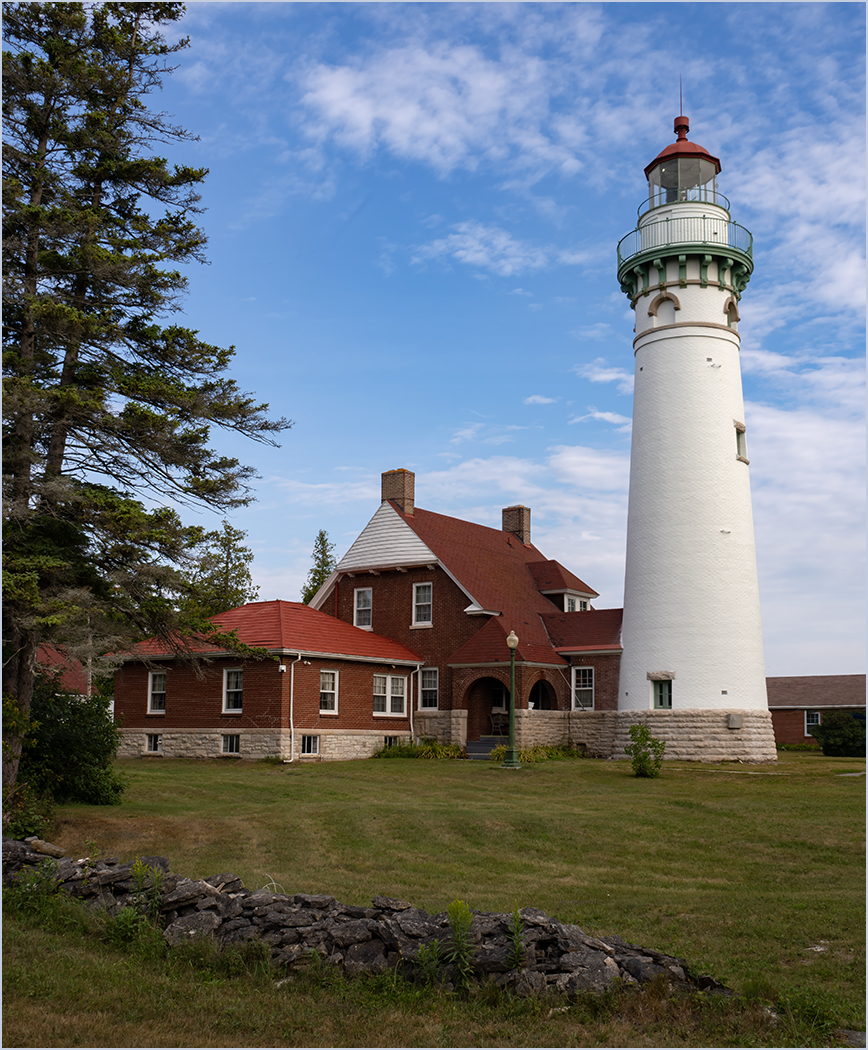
x,y
563,589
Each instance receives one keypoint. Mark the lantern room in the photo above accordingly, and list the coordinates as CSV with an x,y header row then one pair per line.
x,y
683,171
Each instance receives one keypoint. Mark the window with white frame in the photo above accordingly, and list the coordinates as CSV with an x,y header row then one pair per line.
x,y
391,741
812,720
583,605
328,692
583,688
422,604
570,604
233,689
310,745
231,744
157,692
154,743
663,694
429,688
364,603
390,696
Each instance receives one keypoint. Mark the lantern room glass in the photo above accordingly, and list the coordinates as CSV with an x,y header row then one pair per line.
x,y
682,179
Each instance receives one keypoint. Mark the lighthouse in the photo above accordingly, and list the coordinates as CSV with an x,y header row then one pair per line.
x,y
692,659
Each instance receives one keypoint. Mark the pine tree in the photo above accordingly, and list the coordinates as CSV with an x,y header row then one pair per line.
x,y
221,579
108,408
323,566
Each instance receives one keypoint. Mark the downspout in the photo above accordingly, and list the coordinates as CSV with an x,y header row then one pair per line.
x,y
416,672
291,707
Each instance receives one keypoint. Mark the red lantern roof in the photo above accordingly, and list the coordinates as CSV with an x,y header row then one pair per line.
x,y
682,148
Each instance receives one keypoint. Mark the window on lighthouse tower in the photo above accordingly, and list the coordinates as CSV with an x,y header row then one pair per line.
x,y
663,694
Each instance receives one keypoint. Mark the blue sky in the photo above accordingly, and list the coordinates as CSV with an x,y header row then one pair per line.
x,y
413,211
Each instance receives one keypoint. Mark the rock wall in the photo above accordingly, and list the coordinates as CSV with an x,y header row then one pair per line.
x,y
544,956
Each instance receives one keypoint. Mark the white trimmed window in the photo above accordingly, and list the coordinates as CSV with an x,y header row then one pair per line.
x,y
310,745
569,604
233,689
583,605
154,743
663,695
157,692
812,719
583,688
429,686
391,741
390,696
423,608
328,692
363,606
231,744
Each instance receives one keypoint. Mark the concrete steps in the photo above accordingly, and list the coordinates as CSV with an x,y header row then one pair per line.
x,y
480,749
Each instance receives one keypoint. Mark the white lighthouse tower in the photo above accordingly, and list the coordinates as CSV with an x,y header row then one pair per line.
x,y
692,637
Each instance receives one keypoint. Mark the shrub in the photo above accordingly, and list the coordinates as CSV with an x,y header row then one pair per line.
x,y
646,752
69,751
538,753
459,952
841,735
27,813
427,749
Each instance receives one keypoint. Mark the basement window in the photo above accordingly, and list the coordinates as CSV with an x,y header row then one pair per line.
x,y
310,745
231,744
154,743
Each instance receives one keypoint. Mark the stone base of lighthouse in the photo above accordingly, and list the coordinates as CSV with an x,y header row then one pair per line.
x,y
690,735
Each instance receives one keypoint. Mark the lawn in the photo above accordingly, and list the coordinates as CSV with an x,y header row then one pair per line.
x,y
745,871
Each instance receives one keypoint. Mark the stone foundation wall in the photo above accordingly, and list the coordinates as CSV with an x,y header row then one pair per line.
x,y
333,745
690,735
446,727
704,736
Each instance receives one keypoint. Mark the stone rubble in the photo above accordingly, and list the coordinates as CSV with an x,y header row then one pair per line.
x,y
557,957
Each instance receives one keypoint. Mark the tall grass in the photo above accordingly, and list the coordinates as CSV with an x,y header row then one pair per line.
x,y
743,871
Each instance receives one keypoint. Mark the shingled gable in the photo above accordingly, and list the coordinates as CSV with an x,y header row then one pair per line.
x,y
597,630
291,627
552,578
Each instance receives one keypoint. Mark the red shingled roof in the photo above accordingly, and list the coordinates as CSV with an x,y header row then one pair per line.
x,y
583,631
293,626
73,675
552,576
815,691
494,568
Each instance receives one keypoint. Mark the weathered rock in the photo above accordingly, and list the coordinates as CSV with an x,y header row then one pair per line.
x,y
191,927
349,933
369,957
390,904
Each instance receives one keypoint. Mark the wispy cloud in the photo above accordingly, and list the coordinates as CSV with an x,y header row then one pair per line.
x,y
598,371
539,399
623,423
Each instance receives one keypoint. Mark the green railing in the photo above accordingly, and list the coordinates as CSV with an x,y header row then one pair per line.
x,y
703,230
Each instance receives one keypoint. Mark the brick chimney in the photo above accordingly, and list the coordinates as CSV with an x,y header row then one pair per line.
x,y
400,486
517,521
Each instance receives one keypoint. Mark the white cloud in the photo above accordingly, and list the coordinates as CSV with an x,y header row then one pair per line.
x,y
598,371
486,247
623,423
520,291
598,331
539,399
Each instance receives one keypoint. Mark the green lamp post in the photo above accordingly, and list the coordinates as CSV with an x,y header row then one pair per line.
x,y
511,761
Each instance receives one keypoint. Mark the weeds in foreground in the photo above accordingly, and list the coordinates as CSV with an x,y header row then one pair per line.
x,y
459,952
515,935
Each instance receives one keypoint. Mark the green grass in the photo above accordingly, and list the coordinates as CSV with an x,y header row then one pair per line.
x,y
741,870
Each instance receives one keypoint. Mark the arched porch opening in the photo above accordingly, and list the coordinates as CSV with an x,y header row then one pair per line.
x,y
485,697
543,697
